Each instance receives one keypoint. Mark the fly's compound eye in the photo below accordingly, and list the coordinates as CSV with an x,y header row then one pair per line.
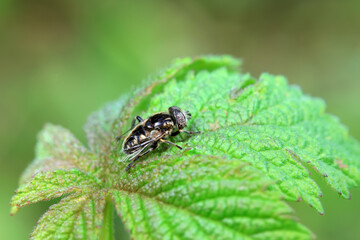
x,y
178,117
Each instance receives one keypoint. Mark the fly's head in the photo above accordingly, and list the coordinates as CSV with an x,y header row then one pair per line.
x,y
179,117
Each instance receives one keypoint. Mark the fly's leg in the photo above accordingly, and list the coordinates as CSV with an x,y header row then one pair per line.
x,y
189,132
175,133
133,162
171,143
133,123
179,131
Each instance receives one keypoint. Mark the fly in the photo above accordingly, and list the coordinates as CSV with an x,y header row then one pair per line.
x,y
145,136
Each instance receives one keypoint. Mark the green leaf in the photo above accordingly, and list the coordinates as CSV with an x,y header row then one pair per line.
x,y
264,122
74,217
78,215
203,198
49,185
57,148
259,138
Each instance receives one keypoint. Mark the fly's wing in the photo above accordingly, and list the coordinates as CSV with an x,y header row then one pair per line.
x,y
140,147
134,154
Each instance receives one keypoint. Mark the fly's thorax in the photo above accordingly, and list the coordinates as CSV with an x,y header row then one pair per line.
x,y
161,122
165,125
154,134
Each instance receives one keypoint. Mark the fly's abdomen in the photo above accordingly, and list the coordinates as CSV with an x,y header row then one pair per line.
x,y
134,143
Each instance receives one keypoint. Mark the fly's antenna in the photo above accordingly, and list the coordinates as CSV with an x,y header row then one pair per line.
x,y
188,114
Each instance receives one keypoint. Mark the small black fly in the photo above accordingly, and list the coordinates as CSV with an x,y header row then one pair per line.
x,y
145,136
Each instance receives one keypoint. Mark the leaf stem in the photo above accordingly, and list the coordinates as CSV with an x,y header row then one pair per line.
x,y
107,232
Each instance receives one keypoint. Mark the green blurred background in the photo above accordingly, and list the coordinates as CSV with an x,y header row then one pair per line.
x,y
61,60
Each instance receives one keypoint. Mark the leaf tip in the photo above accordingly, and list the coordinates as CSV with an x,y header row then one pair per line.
x,y
14,209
